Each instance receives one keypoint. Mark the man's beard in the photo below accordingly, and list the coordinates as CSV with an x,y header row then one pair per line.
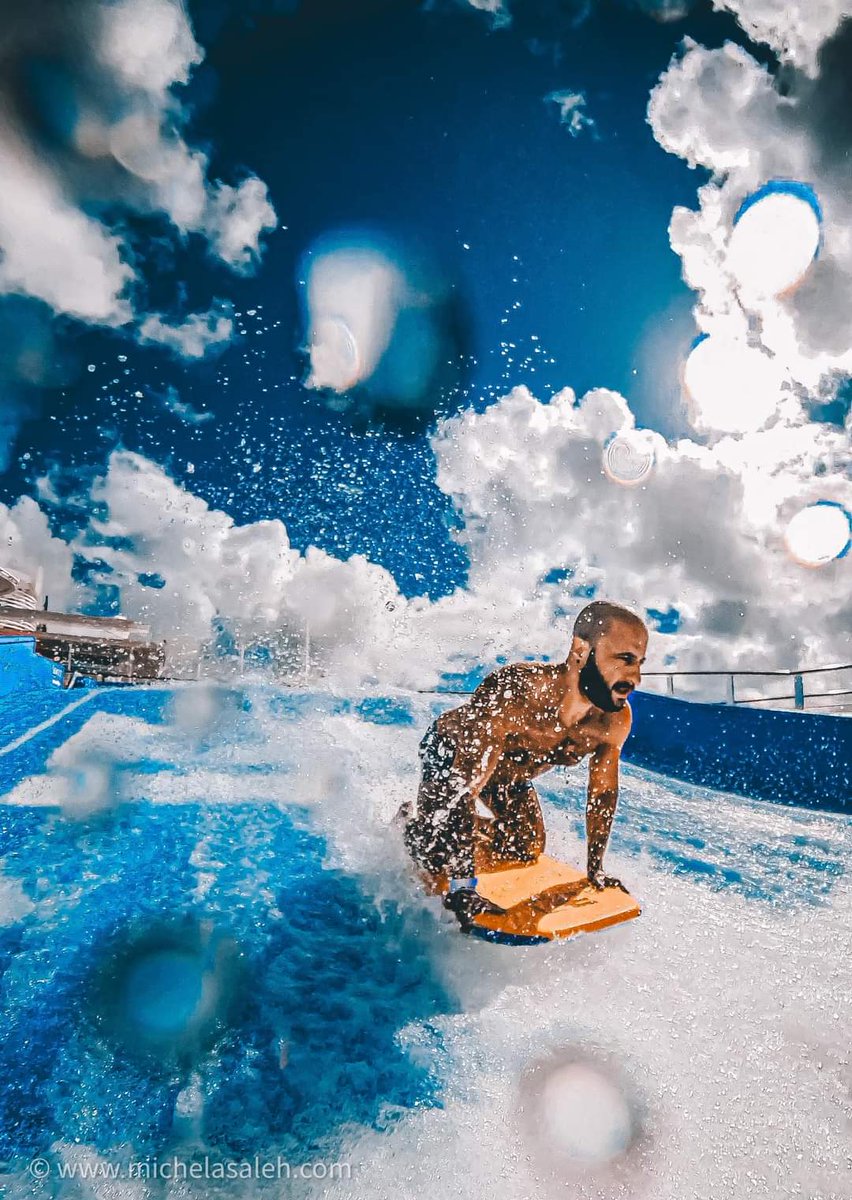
x,y
595,688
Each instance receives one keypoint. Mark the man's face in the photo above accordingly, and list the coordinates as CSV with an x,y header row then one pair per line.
x,y
614,665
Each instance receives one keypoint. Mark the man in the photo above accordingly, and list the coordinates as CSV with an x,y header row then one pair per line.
x,y
476,805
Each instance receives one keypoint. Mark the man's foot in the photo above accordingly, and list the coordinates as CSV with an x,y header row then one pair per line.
x,y
466,903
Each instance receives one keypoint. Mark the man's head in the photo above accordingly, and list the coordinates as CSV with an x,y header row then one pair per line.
x,y
609,648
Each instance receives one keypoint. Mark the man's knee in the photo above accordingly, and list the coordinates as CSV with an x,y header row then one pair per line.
x,y
518,834
441,836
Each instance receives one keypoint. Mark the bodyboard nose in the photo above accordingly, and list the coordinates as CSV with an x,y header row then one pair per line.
x,y
545,900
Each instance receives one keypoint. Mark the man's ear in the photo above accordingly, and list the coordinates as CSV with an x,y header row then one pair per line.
x,y
579,652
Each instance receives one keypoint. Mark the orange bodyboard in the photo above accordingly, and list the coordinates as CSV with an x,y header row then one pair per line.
x,y
547,899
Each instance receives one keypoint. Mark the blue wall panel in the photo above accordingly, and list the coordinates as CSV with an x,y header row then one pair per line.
x,y
22,670
788,757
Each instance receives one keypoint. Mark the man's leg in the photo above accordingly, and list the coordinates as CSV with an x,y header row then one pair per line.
x,y
517,832
440,836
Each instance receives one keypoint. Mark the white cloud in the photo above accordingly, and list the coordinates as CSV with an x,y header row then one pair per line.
x,y
50,248
704,534
721,110
794,29
234,220
498,10
209,564
571,107
249,576
27,545
193,337
115,137
147,43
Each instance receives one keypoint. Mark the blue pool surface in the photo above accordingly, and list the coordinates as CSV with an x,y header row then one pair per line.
x,y
330,973
332,978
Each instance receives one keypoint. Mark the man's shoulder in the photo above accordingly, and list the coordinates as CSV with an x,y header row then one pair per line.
x,y
518,681
615,727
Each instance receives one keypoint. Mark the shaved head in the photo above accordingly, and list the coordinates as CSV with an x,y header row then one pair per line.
x,y
609,645
597,619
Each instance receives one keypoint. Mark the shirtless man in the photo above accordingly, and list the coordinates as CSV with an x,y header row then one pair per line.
x,y
476,805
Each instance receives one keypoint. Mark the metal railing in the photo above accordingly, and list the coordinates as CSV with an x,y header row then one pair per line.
x,y
798,696
295,668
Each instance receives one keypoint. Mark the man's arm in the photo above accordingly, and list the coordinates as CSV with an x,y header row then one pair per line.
x,y
600,810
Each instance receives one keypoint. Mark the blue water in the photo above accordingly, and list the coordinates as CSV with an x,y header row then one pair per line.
x,y
330,969
328,974
337,1000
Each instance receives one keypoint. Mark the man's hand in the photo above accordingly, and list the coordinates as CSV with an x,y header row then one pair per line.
x,y
599,881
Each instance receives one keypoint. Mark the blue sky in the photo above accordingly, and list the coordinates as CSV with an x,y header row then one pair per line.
x,y
433,128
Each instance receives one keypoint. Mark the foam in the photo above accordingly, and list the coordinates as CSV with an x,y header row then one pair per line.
x,y
725,1012
15,904
728,1018
724,1008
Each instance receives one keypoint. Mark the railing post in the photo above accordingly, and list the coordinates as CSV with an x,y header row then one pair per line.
x,y
732,695
799,692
